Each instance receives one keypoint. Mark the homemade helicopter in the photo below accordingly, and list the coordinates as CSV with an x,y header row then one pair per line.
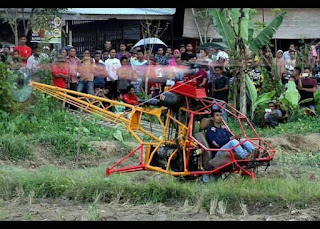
x,y
182,149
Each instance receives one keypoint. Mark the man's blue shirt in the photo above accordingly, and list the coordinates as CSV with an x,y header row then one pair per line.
x,y
220,136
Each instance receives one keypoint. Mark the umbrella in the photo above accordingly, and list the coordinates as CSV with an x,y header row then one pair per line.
x,y
215,45
156,42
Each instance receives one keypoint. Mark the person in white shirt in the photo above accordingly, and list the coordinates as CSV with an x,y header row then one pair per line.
x,y
112,65
33,64
286,54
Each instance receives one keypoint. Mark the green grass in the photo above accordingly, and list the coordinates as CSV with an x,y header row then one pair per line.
x,y
86,185
302,126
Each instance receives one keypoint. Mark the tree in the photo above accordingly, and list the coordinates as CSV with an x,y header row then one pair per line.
x,y
237,29
33,18
203,17
151,29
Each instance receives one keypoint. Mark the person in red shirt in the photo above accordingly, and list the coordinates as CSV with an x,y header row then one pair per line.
x,y
130,97
202,80
60,73
24,50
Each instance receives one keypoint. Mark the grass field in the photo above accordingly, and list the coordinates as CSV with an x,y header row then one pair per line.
x,y
292,180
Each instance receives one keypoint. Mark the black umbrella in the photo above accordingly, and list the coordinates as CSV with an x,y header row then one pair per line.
x,y
214,45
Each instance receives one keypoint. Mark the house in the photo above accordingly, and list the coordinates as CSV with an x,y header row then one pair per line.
x,y
91,27
299,23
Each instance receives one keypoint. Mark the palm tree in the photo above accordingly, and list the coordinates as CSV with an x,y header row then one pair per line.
x,y
237,28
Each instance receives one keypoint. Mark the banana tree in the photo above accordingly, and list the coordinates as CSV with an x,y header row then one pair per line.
x,y
237,28
257,100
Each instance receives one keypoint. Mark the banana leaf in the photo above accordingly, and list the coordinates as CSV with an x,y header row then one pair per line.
x,y
118,135
264,98
220,22
267,33
292,94
306,100
245,26
235,15
251,89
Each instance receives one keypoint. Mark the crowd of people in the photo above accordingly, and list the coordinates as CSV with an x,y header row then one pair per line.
x,y
120,74
109,72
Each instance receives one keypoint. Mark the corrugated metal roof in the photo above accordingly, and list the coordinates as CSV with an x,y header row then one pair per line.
x,y
123,11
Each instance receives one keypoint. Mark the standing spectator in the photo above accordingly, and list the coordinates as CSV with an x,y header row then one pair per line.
x,y
86,70
281,65
296,77
123,52
309,87
189,52
5,54
33,64
203,56
139,73
15,62
45,52
74,63
176,54
291,62
108,45
211,54
124,73
112,65
130,96
220,88
63,52
182,48
140,62
100,72
24,50
272,116
105,55
286,54
159,57
202,76
168,54
222,57
60,72
133,57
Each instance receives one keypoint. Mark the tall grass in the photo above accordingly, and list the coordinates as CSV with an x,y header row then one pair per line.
x,y
86,185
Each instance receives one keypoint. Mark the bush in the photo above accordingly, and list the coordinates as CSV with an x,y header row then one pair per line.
x,y
15,147
7,103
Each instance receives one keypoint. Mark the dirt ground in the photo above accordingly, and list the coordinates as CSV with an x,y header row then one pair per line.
x,y
66,210
31,209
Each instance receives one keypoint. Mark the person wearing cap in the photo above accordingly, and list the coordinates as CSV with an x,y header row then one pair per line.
x,y
281,64
60,72
45,52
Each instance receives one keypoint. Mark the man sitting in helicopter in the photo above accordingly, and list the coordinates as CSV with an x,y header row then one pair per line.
x,y
219,137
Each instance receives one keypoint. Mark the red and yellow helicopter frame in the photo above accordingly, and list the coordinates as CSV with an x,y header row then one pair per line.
x,y
177,151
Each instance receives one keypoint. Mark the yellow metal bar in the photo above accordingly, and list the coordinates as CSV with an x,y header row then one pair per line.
x,y
157,169
135,135
171,156
87,104
153,152
39,85
149,134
